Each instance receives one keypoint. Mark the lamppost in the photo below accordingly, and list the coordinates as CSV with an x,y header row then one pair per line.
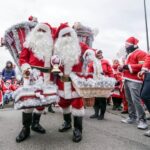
x,y
147,38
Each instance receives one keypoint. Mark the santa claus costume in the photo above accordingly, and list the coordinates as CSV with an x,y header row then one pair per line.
x,y
100,102
68,48
36,53
7,89
117,94
132,84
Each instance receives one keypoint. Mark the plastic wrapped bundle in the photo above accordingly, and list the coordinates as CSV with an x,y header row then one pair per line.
x,y
33,96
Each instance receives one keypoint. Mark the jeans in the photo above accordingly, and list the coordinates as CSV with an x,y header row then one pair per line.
x,y
132,93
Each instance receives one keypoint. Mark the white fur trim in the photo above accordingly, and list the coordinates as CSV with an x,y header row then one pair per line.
x,y
130,69
26,81
78,112
64,31
30,110
66,110
145,69
25,66
74,94
67,90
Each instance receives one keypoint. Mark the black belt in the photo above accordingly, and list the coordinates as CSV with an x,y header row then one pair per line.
x,y
65,79
42,69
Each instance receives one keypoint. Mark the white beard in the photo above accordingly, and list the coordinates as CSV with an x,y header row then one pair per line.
x,y
68,49
41,44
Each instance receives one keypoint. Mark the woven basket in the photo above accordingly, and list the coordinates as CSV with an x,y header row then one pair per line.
x,y
93,92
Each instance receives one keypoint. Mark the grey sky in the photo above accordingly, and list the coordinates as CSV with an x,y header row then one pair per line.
x,y
115,19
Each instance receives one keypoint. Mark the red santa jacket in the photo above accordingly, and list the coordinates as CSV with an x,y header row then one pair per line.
x,y
28,59
146,65
8,88
66,89
134,61
106,68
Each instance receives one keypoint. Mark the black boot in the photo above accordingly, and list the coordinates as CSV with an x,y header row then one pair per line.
x,y
50,109
25,132
96,109
103,108
77,133
35,124
101,116
95,115
67,123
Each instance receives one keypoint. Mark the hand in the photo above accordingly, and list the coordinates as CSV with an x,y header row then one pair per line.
x,y
141,74
126,67
27,73
117,83
120,68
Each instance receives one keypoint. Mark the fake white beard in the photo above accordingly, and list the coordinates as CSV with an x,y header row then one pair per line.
x,y
41,44
68,49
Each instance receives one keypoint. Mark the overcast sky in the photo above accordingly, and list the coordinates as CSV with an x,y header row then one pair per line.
x,y
115,19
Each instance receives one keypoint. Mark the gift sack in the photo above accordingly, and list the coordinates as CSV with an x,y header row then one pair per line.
x,y
32,96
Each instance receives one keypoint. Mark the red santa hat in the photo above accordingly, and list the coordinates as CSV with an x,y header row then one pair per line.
x,y
132,41
63,29
34,19
46,27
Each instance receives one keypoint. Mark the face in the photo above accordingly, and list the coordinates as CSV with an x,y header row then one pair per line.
x,y
99,55
9,65
116,62
66,35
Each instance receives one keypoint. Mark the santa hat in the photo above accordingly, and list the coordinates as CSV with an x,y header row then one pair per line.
x,y
63,29
132,41
45,26
33,19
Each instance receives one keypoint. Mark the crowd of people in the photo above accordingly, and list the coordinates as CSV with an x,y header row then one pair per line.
x,y
45,41
8,84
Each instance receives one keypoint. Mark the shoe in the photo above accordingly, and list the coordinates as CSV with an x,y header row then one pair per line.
x,y
114,107
67,123
35,124
77,135
119,108
100,117
142,125
65,127
124,112
24,134
128,121
94,116
147,133
38,128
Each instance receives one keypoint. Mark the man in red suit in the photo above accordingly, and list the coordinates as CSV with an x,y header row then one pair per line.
x,y
36,53
132,84
100,102
67,47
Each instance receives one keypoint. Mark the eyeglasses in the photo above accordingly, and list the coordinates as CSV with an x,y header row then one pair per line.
x,y
41,30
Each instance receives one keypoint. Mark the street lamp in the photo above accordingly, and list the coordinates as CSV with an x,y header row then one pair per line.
x,y
147,38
